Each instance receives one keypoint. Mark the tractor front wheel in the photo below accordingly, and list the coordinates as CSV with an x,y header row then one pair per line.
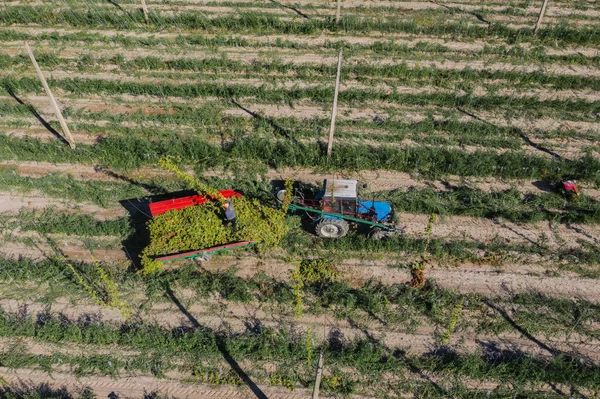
x,y
332,228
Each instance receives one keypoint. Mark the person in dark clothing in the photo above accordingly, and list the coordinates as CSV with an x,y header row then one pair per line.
x,y
230,215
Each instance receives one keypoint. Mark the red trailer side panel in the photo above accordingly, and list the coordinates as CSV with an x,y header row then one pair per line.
x,y
157,208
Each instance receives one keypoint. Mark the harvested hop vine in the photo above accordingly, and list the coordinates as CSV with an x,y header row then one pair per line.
x,y
202,226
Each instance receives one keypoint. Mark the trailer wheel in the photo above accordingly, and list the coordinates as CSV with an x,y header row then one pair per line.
x,y
377,233
202,258
332,228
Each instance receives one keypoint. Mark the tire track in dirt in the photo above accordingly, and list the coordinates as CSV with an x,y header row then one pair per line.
x,y
138,386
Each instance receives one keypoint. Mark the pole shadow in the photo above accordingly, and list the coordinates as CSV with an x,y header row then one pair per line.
x,y
294,9
583,233
521,134
114,3
221,344
456,9
36,114
523,236
521,330
278,129
153,189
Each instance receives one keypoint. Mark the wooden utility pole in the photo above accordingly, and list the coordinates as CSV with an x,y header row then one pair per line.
x,y
542,12
334,109
145,10
337,14
315,394
66,132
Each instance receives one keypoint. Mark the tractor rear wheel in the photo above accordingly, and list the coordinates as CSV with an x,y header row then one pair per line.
x,y
332,228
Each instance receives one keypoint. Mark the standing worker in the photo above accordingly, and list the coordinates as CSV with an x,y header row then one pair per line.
x,y
230,215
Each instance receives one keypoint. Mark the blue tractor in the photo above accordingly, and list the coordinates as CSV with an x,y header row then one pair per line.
x,y
337,205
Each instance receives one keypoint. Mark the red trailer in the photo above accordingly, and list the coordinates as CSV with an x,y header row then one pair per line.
x,y
157,208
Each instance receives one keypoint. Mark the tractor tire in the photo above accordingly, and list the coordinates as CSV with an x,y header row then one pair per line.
x,y
332,228
203,258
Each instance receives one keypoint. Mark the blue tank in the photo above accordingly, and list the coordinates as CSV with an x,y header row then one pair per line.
x,y
382,209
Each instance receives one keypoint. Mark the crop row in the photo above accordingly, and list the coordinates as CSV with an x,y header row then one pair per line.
x,y
51,221
516,53
209,119
87,364
214,374
298,241
433,162
264,23
286,348
401,71
574,109
431,131
398,304
315,7
413,75
392,129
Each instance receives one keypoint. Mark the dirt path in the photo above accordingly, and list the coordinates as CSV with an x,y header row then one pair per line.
x,y
506,279
139,386
13,203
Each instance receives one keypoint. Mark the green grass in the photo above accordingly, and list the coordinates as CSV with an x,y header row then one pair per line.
x,y
398,304
415,76
282,347
264,23
319,94
507,204
432,162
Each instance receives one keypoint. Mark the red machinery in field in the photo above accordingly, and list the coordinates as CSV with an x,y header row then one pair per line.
x,y
160,207
156,208
569,188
